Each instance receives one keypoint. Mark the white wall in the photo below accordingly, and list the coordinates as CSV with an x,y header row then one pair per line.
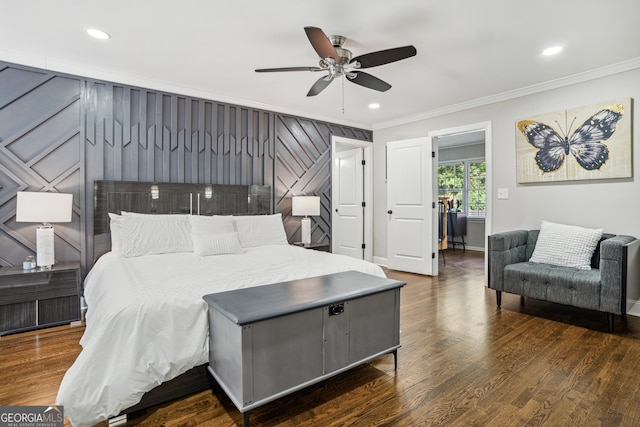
x,y
610,204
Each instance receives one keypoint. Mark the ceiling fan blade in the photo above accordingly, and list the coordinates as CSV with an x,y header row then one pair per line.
x,y
382,57
367,80
319,86
275,70
321,43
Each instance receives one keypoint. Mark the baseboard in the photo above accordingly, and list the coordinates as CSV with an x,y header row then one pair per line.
x,y
474,248
635,308
382,262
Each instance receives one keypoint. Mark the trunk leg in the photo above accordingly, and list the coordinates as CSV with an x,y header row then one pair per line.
x,y
611,318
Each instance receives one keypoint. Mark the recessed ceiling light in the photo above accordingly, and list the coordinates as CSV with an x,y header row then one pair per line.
x,y
98,34
374,106
553,50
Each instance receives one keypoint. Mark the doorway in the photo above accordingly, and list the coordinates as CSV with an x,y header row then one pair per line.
x,y
459,136
351,198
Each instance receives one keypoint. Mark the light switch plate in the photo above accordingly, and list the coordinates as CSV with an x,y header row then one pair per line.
x,y
503,193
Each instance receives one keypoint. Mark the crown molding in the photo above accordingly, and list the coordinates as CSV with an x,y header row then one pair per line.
x,y
133,80
597,73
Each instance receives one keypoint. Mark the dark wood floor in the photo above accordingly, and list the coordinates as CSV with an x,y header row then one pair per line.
x,y
462,362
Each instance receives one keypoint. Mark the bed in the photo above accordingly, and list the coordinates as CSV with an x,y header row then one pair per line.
x,y
146,324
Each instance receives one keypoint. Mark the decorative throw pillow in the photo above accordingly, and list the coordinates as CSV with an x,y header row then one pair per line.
x,y
216,244
566,245
260,230
214,235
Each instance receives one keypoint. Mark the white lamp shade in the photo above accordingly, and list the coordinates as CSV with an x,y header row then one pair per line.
x,y
305,206
44,207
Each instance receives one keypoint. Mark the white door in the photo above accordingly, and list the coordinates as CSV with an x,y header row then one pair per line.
x,y
410,217
349,212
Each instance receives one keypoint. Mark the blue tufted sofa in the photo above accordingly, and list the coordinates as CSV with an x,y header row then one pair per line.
x,y
614,267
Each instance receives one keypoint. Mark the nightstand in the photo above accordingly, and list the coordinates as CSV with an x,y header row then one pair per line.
x,y
315,246
32,299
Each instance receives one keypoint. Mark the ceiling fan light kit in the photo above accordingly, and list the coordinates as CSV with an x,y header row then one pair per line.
x,y
338,61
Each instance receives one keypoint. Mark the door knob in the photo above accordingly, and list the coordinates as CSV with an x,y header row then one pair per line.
x,y
389,211
336,209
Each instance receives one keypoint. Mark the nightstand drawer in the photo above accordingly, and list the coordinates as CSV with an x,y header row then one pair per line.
x,y
17,316
58,310
35,299
16,291
64,283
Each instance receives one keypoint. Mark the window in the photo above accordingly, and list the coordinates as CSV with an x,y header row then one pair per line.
x,y
465,183
451,183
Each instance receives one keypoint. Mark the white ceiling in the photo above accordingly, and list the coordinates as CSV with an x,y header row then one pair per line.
x,y
468,50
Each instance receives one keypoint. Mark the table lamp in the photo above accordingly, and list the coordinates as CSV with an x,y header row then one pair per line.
x,y
305,206
45,208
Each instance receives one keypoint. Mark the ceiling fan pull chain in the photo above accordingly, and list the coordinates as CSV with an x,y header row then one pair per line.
x,y
343,94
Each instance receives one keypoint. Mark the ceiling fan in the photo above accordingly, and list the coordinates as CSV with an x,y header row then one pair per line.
x,y
338,62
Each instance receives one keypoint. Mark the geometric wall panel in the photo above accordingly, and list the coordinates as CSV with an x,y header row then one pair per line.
x,y
134,134
40,149
303,167
60,133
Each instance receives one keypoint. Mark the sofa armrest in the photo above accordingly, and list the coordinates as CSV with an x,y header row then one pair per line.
x,y
613,273
505,248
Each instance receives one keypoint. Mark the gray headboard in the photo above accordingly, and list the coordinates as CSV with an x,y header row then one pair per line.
x,y
172,198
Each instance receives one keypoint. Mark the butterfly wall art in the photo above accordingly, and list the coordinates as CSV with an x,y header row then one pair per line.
x,y
591,142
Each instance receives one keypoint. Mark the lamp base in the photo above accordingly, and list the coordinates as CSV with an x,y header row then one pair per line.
x,y
305,231
45,249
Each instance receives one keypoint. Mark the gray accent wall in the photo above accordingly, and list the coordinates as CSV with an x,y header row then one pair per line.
x,y
303,167
40,150
61,132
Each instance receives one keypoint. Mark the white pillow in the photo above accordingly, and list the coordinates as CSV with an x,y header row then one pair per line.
x,y
114,227
214,235
566,245
154,234
216,244
211,224
260,230
148,215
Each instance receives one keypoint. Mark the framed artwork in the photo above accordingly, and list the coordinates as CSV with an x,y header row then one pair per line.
x,y
592,142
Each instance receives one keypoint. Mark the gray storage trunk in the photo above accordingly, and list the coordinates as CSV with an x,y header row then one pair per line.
x,y
268,341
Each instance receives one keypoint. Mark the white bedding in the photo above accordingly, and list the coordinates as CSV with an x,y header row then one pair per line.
x,y
147,322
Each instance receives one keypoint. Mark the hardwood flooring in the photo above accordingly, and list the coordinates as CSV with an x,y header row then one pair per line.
x,y
463,362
